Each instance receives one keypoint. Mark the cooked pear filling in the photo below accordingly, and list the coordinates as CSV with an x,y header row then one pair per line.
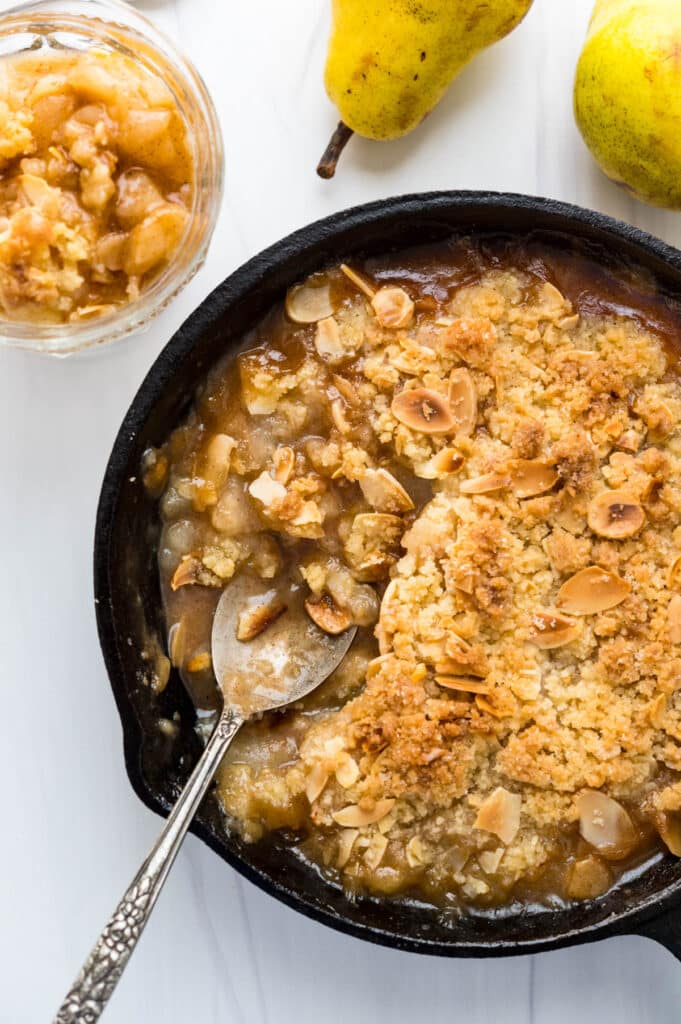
x,y
96,180
472,454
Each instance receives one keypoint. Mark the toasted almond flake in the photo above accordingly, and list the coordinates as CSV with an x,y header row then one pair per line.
x,y
186,572
177,642
355,816
615,515
383,492
375,851
444,462
328,341
630,441
284,460
347,773
592,590
530,477
500,815
489,860
605,825
346,389
551,629
668,824
200,662
266,489
340,420
484,705
315,782
588,878
657,709
326,614
36,190
346,841
464,684
358,280
463,401
674,619
254,621
306,303
567,322
423,410
415,853
393,307
674,571
486,484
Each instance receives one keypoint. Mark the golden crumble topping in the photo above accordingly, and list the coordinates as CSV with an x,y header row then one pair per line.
x,y
483,472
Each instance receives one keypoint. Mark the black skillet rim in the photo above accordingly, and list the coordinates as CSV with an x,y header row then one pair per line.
x,y
649,916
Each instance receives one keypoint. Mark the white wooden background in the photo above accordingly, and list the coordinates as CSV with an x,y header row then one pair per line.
x,y
218,950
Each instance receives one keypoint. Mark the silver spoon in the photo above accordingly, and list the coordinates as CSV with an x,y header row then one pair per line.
x,y
285,662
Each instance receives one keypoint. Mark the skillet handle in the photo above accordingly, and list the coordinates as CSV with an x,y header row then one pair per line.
x,y
665,928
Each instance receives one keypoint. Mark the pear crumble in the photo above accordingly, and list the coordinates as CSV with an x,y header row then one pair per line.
x,y
472,454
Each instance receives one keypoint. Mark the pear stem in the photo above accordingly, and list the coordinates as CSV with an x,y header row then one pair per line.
x,y
326,168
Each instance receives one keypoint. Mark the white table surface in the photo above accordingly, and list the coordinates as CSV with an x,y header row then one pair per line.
x,y
73,833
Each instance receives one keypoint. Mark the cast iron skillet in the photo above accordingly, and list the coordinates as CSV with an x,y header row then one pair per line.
x,y
127,596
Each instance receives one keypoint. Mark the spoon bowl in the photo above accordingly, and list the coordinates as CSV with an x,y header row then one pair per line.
x,y
282,663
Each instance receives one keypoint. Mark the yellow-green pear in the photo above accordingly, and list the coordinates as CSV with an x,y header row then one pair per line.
x,y
628,96
390,61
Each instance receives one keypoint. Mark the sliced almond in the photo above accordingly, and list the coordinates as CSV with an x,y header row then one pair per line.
x,y
674,571
393,307
315,782
307,303
605,825
347,390
668,824
630,441
415,853
375,665
615,514
186,573
328,341
347,773
254,621
444,462
463,401
339,417
500,815
376,851
266,489
486,484
674,619
326,614
530,477
423,410
284,461
484,705
355,816
346,841
551,630
383,492
463,684
592,590
587,878
359,281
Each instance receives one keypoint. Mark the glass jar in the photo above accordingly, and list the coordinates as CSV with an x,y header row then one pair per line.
x,y
112,25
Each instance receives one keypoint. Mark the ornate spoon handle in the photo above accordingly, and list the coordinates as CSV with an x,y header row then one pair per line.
x,y
93,987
